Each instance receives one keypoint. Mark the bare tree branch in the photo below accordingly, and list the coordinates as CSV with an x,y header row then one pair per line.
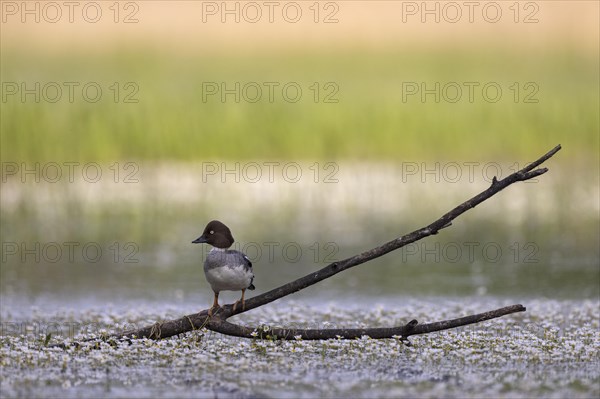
x,y
218,322
411,328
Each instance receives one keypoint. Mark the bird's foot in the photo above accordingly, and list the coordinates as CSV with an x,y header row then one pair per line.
x,y
237,303
216,308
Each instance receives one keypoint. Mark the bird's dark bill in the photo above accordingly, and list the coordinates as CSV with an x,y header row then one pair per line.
x,y
199,240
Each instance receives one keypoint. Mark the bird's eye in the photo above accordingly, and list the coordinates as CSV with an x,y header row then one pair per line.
x,y
212,232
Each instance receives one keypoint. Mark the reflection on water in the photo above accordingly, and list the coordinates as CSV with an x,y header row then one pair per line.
x,y
128,236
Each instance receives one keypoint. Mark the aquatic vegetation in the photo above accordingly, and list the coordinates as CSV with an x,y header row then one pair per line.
x,y
552,349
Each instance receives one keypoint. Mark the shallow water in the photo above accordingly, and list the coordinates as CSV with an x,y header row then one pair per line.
x,y
535,244
80,241
552,350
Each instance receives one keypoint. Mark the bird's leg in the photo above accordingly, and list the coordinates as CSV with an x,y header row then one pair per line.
x,y
215,304
241,300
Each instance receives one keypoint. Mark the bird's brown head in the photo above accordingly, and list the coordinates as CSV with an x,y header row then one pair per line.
x,y
216,234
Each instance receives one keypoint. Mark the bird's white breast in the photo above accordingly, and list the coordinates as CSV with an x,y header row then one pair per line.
x,y
229,278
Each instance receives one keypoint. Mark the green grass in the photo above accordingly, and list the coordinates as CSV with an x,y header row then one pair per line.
x,y
370,121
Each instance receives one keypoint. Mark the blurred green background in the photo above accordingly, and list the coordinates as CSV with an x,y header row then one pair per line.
x,y
369,119
169,129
